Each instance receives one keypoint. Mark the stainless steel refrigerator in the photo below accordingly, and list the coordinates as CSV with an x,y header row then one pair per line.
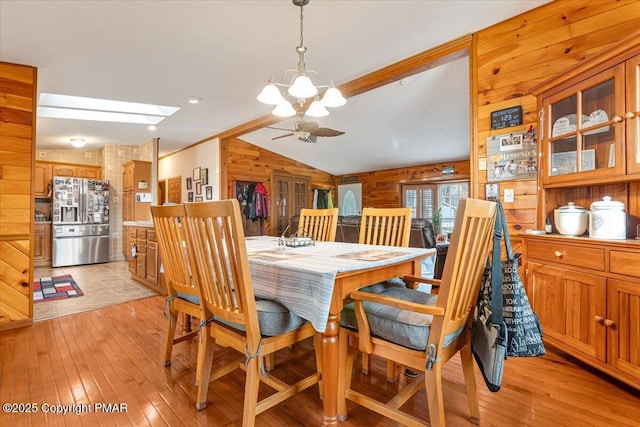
x,y
80,233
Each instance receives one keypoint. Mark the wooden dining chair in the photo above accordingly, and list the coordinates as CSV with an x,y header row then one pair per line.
x,y
385,226
389,227
423,331
255,328
321,224
183,294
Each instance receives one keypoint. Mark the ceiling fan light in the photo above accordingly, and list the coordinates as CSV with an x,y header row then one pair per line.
x,y
333,98
302,87
284,109
270,94
78,142
316,109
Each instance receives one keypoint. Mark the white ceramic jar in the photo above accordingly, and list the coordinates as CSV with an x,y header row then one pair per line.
x,y
607,220
571,220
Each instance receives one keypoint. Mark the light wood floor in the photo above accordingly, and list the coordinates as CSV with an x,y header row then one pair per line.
x,y
114,355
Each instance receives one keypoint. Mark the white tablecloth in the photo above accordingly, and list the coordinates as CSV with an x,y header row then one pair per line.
x,y
303,278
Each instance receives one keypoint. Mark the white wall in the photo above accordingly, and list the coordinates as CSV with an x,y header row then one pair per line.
x,y
182,163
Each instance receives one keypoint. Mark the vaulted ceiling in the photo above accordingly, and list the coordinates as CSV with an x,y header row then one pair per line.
x,y
163,52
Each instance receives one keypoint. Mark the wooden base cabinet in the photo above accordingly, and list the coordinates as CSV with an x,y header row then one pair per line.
x,y
144,258
586,293
42,245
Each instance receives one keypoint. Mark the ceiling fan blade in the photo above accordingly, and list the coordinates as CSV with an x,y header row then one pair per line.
x,y
287,130
327,132
282,136
311,138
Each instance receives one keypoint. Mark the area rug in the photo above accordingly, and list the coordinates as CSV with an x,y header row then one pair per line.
x,y
55,288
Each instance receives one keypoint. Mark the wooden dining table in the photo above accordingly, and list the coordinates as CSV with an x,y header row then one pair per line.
x,y
313,281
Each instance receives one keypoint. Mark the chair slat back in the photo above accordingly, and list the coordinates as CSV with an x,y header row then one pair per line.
x,y
466,259
168,223
215,238
385,226
319,223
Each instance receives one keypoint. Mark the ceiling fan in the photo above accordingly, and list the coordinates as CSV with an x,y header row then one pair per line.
x,y
307,131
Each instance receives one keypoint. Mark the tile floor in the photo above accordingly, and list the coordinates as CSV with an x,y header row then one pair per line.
x,y
103,285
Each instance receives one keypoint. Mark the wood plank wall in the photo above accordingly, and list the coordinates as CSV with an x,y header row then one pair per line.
x,y
381,189
17,145
516,54
242,161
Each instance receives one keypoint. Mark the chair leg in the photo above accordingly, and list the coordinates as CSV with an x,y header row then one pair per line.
x,y
366,361
392,371
435,399
317,345
205,368
252,385
171,333
269,362
200,359
470,383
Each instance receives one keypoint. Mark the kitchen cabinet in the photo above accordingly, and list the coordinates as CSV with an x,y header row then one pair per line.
x,y
587,297
64,170
42,245
589,120
89,172
143,257
42,173
136,177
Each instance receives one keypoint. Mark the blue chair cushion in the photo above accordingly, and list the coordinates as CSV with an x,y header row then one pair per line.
x,y
273,317
191,298
402,327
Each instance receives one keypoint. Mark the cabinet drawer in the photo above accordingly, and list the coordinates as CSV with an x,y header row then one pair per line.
x,y
40,228
627,263
133,232
151,235
585,257
142,233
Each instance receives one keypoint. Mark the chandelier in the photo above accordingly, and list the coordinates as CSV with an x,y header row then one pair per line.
x,y
300,91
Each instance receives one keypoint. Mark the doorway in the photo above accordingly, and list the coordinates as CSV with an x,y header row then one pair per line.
x,y
174,194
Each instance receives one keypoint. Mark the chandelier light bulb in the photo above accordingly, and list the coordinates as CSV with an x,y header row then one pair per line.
x,y
284,109
270,95
333,97
302,87
316,109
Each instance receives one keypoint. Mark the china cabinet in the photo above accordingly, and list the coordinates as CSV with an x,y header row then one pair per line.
x,y
586,291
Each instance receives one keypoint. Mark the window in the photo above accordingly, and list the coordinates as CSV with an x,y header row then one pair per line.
x,y
425,199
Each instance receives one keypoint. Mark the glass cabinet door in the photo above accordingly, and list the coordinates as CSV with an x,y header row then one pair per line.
x,y
632,115
584,134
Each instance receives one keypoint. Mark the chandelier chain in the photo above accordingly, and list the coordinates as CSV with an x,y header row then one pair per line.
x,y
301,26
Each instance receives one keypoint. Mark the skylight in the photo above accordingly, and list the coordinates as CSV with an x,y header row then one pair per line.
x,y
103,110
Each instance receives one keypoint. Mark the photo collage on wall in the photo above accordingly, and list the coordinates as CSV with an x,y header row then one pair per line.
x,y
512,156
200,183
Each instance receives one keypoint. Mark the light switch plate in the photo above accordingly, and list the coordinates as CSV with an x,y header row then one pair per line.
x,y
509,195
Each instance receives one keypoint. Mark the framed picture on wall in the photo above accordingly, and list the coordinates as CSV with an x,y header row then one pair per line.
x,y
189,183
198,188
492,191
209,192
204,176
198,199
196,174
190,196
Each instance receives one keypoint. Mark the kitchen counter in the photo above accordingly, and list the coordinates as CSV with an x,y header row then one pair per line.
x,y
148,224
42,222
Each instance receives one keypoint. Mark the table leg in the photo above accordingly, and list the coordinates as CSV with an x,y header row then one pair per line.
x,y
330,349
186,323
